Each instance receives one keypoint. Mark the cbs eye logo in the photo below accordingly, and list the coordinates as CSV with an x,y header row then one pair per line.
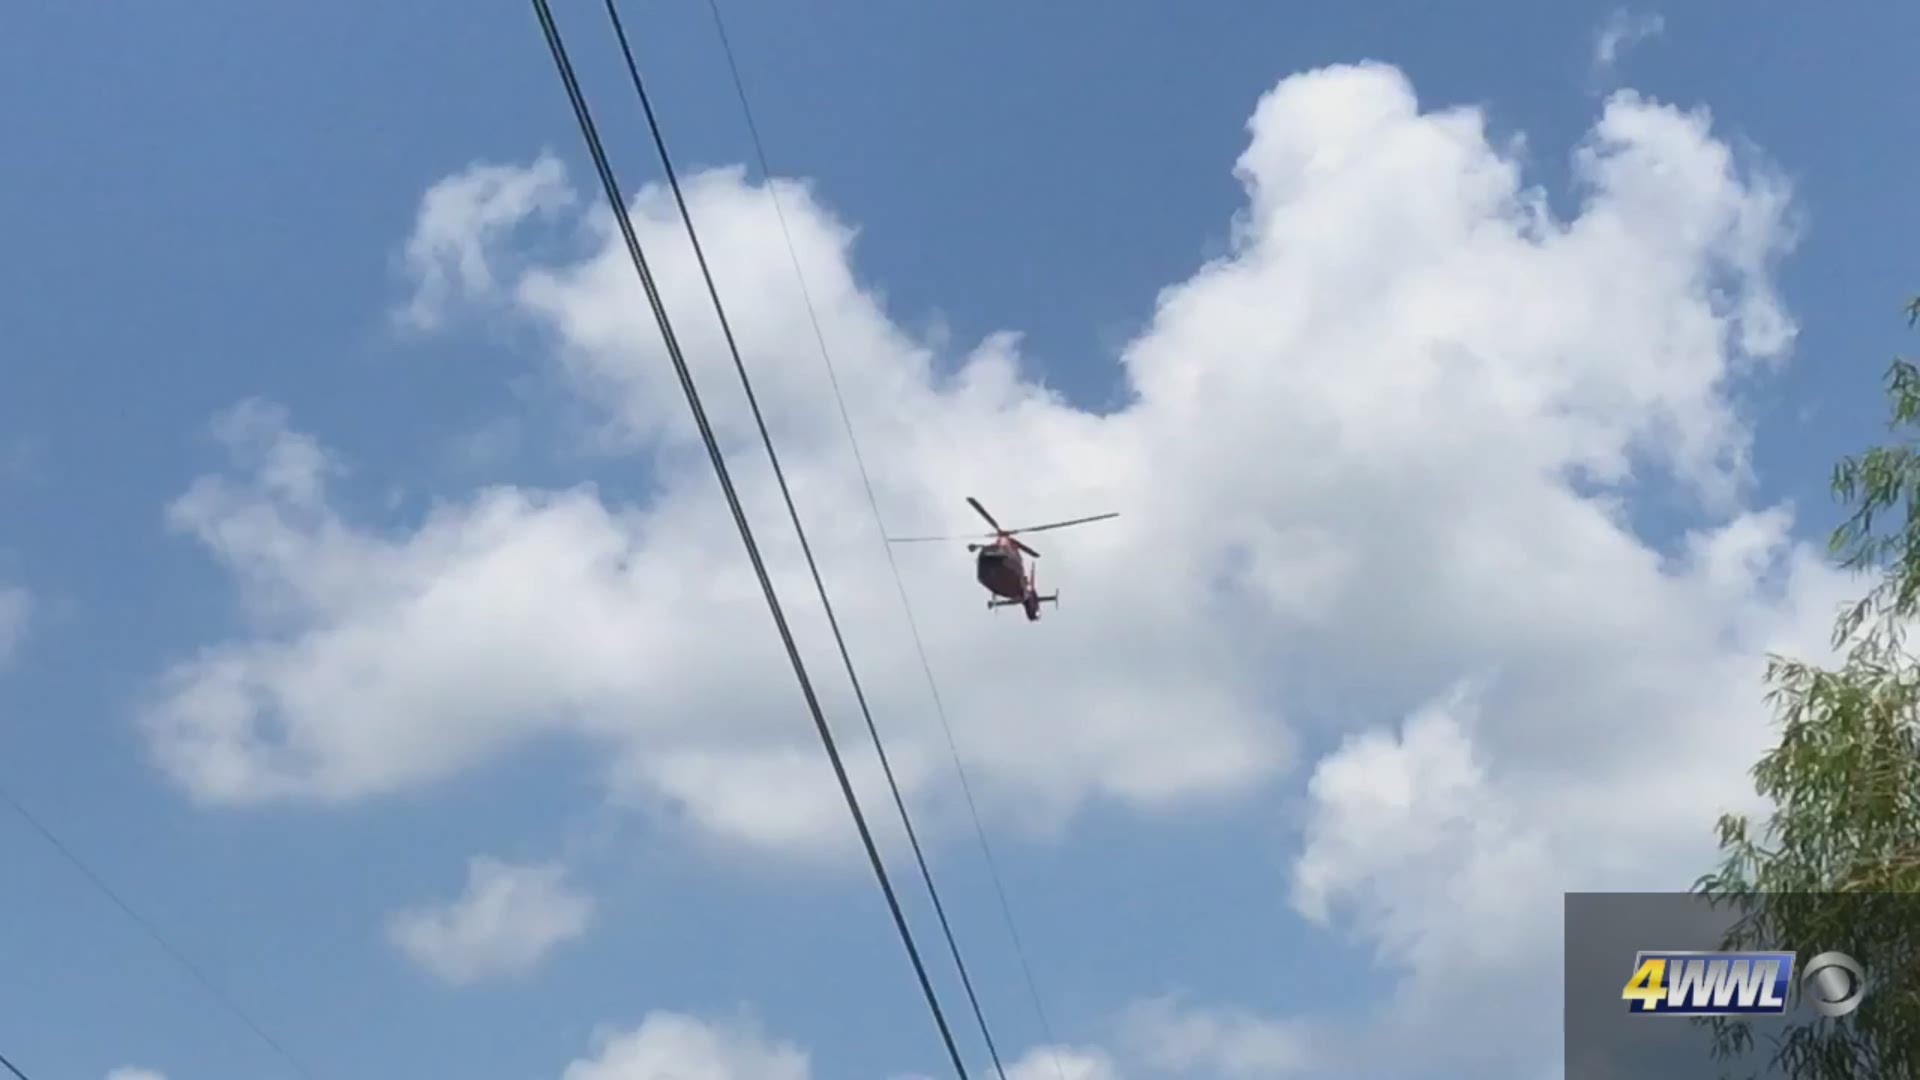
x,y
1833,984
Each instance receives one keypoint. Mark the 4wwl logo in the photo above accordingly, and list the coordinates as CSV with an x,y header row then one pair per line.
x,y
1740,983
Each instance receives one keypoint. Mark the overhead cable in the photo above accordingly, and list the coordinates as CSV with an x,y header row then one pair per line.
x,y
833,621
618,204
873,503
152,932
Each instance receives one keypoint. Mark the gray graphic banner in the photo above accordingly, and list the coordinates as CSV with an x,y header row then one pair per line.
x,y
1625,948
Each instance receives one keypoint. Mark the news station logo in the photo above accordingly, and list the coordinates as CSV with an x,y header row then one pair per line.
x,y
1740,983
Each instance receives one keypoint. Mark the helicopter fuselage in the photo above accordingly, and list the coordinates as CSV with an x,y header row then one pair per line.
x,y
999,569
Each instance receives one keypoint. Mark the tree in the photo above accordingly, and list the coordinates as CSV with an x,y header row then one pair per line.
x,y
1838,861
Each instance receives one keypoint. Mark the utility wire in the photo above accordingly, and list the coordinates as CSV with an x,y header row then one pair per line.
x,y
733,347
152,932
619,206
926,665
12,1068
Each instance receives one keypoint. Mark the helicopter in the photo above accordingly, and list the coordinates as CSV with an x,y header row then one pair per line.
x,y
998,566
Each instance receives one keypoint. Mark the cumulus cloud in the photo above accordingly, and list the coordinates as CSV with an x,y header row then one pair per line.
x,y
1382,453
678,1046
1445,846
1064,1063
675,1046
1408,831
16,607
507,920
1622,30
459,218
1171,1040
1170,1035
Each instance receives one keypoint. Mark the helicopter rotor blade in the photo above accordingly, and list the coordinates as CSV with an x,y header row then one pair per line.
x,y
982,511
1060,524
1023,547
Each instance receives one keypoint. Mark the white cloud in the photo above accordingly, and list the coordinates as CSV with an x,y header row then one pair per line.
x,y
1170,1040
16,609
1446,847
674,1046
1169,1035
1622,31
131,1073
388,662
1379,450
1064,1063
462,216
1050,1063
507,920
678,1046
1410,834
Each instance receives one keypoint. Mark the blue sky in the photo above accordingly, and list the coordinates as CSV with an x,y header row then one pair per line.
x,y
208,205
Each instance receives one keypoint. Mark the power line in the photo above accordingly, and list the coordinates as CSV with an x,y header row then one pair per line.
x,y
12,1068
152,932
733,347
619,206
873,502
